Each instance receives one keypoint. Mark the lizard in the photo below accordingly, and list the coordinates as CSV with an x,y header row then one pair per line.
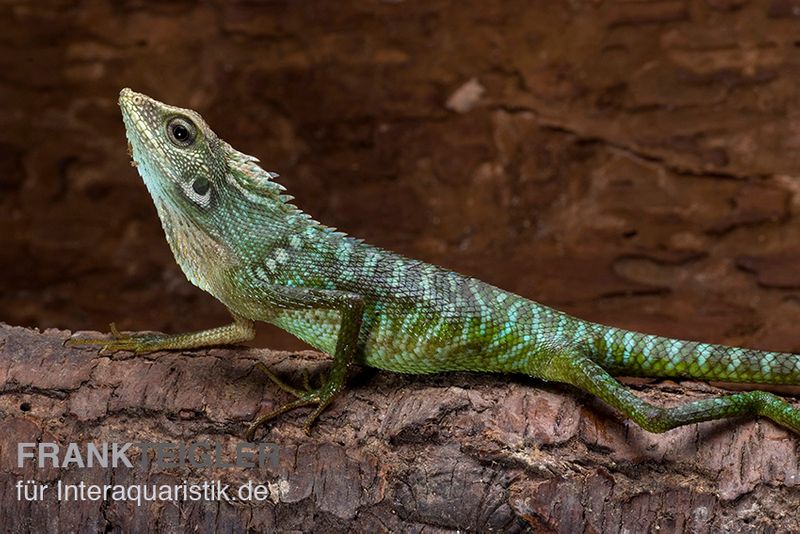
x,y
237,235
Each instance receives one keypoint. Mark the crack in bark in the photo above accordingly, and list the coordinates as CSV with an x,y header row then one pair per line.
x,y
637,154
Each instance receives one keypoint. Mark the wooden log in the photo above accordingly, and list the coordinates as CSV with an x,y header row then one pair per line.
x,y
441,453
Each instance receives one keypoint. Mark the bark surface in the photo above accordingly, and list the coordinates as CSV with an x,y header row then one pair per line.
x,y
414,454
633,163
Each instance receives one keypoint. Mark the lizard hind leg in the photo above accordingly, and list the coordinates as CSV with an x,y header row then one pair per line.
x,y
582,372
308,396
351,308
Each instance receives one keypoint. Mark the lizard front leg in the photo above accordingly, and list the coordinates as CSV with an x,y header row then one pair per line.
x,y
238,331
351,308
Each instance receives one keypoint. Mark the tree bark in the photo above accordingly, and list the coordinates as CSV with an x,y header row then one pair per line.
x,y
436,453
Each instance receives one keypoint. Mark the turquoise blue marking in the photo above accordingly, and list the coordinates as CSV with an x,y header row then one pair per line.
x,y
579,331
370,262
674,351
512,311
608,337
478,296
559,327
765,363
703,353
627,346
398,274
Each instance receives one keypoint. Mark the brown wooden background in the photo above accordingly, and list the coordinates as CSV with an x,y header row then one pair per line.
x,y
631,162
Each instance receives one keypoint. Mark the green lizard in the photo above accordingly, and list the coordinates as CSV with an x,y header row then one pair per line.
x,y
237,236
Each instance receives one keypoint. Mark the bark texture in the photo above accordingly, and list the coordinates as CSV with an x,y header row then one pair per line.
x,y
413,454
631,162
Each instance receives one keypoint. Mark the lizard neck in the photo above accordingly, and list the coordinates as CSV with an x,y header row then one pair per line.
x,y
201,257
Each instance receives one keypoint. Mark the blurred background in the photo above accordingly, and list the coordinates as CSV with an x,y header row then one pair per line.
x,y
631,162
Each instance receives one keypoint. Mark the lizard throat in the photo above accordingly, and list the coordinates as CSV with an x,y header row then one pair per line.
x,y
201,258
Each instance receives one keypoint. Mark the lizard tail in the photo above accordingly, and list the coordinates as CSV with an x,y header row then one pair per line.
x,y
632,353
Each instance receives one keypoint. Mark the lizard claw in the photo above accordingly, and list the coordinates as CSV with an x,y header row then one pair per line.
x,y
321,396
293,391
136,343
251,430
322,400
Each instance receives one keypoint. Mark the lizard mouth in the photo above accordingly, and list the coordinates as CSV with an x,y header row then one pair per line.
x,y
130,154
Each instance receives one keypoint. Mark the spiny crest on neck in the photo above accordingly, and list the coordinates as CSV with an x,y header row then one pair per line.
x,y
259,187
251,179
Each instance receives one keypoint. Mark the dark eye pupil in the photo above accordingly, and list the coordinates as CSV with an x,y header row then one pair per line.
x,y
180,132
201,186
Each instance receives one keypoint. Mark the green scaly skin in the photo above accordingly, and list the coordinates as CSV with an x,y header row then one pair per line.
x,y
237,236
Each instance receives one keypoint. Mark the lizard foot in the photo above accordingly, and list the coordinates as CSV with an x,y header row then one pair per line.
x,y
136,343
308,396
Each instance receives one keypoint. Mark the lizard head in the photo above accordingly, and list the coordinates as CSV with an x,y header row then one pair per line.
x,y
184,163
178,156
206,192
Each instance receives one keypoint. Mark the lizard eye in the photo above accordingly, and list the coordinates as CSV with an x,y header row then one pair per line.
x,y
201,186
181,131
